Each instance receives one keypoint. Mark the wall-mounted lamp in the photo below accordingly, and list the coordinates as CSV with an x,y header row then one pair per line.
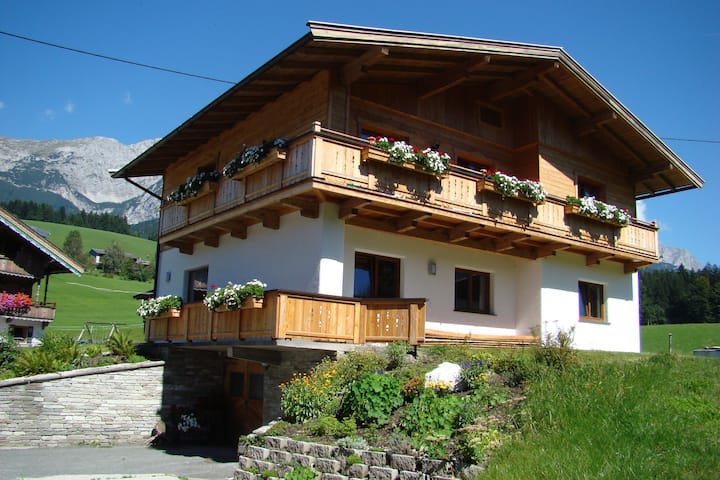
x,y
168,276
432,267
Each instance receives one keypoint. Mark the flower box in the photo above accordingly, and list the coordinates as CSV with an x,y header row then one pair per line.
x,y
485,185
575,210
206,189
274,156
252,302
381,156
171,313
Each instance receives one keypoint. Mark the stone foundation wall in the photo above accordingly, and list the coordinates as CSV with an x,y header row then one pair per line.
x,y
282,454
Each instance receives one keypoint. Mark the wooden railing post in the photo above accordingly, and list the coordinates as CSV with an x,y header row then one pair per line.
x,y
412,323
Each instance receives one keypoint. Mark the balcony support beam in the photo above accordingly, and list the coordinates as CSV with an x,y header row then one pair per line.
x,y
349,207
409,221
355,69
595,258
506,241
308,208
269,218
550,249
462,231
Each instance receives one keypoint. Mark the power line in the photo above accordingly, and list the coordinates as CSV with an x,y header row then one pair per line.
x,y
690,140
116,59
212,79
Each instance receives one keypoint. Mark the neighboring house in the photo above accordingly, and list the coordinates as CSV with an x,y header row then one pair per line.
x,y
26,259
358,249
98,253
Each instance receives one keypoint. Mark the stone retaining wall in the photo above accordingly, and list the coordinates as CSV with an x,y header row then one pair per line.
x,y
115,404
282,454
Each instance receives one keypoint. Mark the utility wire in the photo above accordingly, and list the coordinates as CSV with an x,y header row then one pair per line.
x,y
116,59
212,79
690,140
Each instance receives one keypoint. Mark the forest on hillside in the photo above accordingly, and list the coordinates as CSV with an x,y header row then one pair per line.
x,y
680,295
28,210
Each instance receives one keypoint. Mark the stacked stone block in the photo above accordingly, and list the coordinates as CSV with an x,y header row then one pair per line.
x,y
283,454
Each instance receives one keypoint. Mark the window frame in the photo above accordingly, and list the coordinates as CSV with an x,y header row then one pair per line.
x,y
587,294
190,296
374,274
486,293
585,184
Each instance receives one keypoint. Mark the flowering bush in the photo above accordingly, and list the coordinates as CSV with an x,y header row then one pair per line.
x,y
233,294
511,186
155,306
401,152
192,185
310,395
252,154
14,302
591,207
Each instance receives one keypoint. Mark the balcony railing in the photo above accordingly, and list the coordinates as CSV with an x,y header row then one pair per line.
x,y
336,163
291,315
38,311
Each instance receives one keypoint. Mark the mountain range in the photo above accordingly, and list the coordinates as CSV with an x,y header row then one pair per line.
x,y
75,174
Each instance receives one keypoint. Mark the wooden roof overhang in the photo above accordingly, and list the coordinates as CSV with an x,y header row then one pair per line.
x,y
54,260
432,64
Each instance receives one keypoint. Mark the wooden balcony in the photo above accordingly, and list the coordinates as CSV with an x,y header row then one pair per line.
x,y
327,166
39,311
291,315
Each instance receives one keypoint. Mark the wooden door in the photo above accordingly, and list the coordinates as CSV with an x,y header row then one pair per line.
x,y
244,386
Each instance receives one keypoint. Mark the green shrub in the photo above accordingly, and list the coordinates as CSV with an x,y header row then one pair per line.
x,y
34,361
9,351
310,395
396,355
515,367
556,349
353,459
352,441
269,473
326,425
372,398
120,344
430,420
354,365
474,374
301,473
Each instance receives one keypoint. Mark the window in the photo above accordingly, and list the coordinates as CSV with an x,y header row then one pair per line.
x,y
473,164
197,285
472,291
588,188
592,301
366,133
376,276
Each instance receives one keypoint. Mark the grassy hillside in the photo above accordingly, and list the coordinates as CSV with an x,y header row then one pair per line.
x,y
92,298
686,337
623,417
98,239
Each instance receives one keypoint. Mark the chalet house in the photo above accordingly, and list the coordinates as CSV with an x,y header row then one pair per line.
x,y
26,258
295,176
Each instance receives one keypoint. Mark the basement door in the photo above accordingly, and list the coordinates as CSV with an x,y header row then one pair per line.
x,y
244,382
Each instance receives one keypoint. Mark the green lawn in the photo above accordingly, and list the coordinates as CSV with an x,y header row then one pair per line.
x,y
686,337
139,247
91,298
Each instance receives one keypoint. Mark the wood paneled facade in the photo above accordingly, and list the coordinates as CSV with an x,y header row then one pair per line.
x,y
526,110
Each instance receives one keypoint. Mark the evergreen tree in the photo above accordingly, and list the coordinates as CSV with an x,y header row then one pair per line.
x,y
73,246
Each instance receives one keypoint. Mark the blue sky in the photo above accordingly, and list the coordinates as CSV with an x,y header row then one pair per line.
x,y
659,58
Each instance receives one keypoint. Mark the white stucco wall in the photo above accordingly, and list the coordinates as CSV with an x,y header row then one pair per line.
x,y
560,303
438,289
305,254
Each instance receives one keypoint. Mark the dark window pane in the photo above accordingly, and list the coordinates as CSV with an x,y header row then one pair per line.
x,y
472,291
376,276
197,285
388,276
